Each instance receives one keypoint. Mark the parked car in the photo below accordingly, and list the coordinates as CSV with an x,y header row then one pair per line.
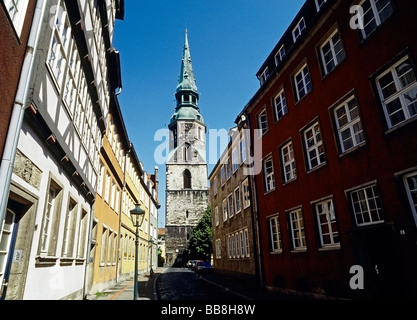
x,y
194,264
204,267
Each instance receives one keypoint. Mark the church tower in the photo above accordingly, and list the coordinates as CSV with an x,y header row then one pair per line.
x,y
186,167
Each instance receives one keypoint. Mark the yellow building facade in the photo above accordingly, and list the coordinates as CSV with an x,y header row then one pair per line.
x,y
135,192
105,234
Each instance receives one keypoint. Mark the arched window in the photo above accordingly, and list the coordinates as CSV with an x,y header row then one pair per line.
x,y
187,179
186,151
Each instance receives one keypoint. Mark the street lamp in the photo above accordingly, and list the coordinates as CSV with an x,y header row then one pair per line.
x,y
137,215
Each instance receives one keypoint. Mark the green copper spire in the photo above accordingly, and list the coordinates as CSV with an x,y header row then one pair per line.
x,y
186,79
186,93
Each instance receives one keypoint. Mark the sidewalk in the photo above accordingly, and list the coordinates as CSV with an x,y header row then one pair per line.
x,y
124,290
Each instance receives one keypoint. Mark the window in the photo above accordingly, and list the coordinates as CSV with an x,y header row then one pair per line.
x,y
113,194
246,242
223,175
235,160
228,169
60,40
107,188
268,171
279,106
319,4
262,120
243,149
230,204
297,234
50,223
349,126
186,152
326,222
302,82
288,167
375,12
216,216
331,52
17,11
224,203
82,235
264,76
238,205
398,92
410,182
100,180
314,146
296,32
246,193
187,179
103,246
69,231
280,55
366,205
275,234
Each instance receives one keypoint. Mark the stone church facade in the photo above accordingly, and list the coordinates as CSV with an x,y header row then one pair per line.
x,y
186,167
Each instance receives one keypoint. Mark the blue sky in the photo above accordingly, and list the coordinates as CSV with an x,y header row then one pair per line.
x,y
229,40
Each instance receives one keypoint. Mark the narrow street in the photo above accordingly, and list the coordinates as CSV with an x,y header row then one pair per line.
x,y
184,284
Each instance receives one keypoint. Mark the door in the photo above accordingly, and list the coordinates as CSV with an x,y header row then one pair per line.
x,y
6,250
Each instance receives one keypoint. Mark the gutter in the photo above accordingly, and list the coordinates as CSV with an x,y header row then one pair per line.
x,y
19,107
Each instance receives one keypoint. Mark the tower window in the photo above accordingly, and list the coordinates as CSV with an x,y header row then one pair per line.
x,y
187,179
186,151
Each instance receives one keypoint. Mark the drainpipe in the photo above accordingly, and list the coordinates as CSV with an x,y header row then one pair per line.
x,y
255,215
19,107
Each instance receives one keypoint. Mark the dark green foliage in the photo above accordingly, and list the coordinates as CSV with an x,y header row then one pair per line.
x,y
200,244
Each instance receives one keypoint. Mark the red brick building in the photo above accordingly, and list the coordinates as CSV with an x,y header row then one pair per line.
x,y
15,23
336,113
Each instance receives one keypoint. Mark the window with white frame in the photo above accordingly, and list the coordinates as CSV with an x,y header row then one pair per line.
x,y
107,188
375,12
410,182
222,175
235,159
69,230
246,193
262,120
326,222
50,220
268,171
246,242
228,169
230,205
238,204
296,32
103,243
297,232
264,75
319,4
314,146
331,52
82,234
243,148
224,205
216,216
302,83
100,179
366,205
17,12
397,88
348,124
275,234
279,106
279,55
57,55
288,166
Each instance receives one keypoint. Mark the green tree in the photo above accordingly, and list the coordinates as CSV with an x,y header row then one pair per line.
x,y
201,244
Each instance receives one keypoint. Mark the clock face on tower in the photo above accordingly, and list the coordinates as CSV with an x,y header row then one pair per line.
x,y
186,128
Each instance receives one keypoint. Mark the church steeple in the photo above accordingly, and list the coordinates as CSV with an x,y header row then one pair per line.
x,y
186,80
186,93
